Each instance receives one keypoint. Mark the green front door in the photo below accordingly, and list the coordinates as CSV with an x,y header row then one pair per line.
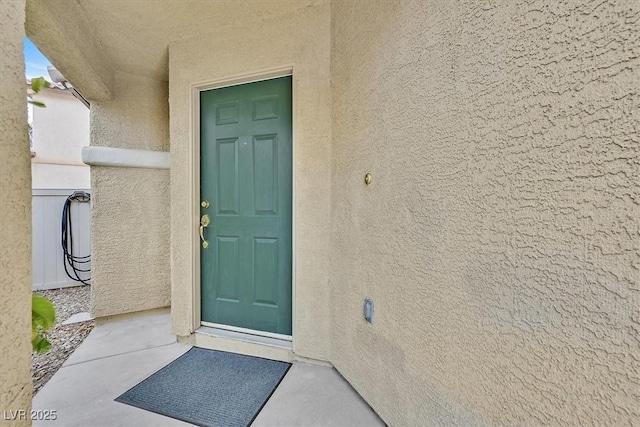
x,y
245,175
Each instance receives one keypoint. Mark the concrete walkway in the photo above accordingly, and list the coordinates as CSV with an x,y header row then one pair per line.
x,y
118,355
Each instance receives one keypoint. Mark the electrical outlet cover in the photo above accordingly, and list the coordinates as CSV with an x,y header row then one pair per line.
x,y
368,310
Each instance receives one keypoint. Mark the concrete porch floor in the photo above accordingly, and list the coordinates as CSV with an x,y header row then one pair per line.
x,y
118,355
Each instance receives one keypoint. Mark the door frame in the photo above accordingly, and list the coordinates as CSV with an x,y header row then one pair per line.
x,y
194,170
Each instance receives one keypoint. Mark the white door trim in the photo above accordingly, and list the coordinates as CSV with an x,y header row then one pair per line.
x,y
194,190
246,331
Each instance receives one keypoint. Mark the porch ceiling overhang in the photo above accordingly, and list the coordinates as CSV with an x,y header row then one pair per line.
x,y
90,39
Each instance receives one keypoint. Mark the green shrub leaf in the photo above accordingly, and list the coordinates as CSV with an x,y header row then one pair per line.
x,y
38,83
43,318
36,103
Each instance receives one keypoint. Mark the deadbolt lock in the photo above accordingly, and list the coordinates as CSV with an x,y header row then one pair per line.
x,y
205,204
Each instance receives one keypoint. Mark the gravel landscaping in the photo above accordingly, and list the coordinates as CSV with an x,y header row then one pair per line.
x,y
64,339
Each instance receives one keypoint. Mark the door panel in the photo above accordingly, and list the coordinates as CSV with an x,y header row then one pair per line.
x,y
265,174
227,168
265,278
227,267
246,164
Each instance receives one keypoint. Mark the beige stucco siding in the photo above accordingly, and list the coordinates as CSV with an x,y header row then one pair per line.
x,y
15,211
62,30
130,206
499,238
59,132
299,38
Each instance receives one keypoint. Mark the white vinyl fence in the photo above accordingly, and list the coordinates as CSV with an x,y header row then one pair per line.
x,y
47,254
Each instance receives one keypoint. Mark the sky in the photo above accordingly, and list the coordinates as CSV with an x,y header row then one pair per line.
x,y
35,66
36,63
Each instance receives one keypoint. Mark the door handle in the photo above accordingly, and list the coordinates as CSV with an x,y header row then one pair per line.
x,y
204,222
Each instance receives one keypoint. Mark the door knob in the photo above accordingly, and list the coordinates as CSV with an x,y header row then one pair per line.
x,y
204,223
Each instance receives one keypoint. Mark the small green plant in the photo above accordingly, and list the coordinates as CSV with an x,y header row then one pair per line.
x,y
37,84
43,318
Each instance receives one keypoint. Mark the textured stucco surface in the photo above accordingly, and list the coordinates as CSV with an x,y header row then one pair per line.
x,y
59,132
65,35
134,35
500,236
15,211
130,206
61,129
299,38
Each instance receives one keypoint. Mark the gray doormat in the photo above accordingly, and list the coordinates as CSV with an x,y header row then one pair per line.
x,y
209,388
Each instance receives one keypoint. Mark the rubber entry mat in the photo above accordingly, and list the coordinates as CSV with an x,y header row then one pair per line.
x,y
209,388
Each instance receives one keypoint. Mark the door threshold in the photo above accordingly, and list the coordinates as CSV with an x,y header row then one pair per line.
x,y
246,331
243,343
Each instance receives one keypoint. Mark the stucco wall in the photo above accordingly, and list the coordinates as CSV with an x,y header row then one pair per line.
x,y
130,206
60,129
299,37
54,176
499,238
15,212
64,33
59,132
